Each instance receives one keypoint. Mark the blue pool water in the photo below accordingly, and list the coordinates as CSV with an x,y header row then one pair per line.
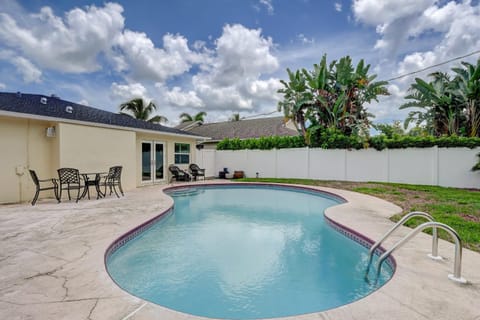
x,y
244,253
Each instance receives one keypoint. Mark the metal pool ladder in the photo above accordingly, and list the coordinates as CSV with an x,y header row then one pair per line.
x,y
456,276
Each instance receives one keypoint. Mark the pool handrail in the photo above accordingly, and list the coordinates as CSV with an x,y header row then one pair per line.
x,y
457,264
414,214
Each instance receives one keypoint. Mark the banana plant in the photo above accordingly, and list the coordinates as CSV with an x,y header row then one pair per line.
x,y
296,100
331,95
467,81
435,103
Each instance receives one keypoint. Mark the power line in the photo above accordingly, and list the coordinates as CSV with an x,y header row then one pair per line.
x,y
260,114
433,66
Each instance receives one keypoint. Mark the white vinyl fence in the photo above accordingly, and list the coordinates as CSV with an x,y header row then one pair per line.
x,y
448,167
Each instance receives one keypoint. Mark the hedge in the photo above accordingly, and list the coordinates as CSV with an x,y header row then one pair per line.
x,y
335,140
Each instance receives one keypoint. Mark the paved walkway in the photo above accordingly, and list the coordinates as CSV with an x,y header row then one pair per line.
x,y
51,263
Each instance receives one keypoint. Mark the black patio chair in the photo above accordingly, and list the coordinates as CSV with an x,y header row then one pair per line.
x,y
196,171
178,174
69,179
112,180
38,184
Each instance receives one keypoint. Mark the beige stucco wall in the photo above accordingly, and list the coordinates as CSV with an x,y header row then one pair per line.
x,y
24,145
94,149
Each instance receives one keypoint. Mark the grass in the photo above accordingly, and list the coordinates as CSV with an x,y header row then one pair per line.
x,y
459,208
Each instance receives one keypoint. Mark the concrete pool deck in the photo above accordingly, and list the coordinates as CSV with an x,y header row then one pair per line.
x,y
52,263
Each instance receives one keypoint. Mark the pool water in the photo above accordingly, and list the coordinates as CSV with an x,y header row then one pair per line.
x,y
244,253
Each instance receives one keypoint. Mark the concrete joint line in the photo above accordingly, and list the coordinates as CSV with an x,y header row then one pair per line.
x,y
134,311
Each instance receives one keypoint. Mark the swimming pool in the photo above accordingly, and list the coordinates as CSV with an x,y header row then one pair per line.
x,y
244,252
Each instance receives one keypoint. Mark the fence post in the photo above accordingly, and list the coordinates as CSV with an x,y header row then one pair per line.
x,y
275,161
308,163
435,166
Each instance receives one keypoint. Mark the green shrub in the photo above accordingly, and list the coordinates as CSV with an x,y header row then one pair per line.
x,y
334,139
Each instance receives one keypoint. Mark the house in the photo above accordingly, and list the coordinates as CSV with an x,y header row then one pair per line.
x,y
242,129
46,133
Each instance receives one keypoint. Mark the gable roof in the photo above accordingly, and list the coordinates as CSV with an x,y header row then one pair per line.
x,y
243,129
56,109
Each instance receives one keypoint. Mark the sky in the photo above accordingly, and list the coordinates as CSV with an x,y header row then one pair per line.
x,y
222,56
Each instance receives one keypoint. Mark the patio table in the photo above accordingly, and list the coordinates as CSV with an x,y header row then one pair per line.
x,y
92,179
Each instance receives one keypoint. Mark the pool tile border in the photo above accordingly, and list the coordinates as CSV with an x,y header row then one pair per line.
x,y
132,234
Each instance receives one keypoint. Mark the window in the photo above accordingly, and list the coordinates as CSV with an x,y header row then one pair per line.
x,y
182,153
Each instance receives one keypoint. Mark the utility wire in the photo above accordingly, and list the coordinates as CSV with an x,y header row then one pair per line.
x,y
433,66
260,114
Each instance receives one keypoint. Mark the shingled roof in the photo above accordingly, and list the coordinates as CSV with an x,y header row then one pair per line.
x,y
242,129
57,109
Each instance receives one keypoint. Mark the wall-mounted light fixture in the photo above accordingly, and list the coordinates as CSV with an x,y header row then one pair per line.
x,y
50,132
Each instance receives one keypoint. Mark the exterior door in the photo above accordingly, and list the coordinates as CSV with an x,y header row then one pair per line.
x,y
153,159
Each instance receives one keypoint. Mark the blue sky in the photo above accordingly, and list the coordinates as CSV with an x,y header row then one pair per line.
x,y
221,56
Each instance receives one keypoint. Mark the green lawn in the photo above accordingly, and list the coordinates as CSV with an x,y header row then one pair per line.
x,y
459,208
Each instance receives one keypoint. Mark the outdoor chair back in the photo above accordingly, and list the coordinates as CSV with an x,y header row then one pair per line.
x,y
38,186
178,174
113,180
196,171
69,179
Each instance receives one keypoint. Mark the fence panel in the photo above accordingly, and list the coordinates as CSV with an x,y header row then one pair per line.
x,y
327,164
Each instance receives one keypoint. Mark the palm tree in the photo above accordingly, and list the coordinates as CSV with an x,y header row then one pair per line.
x,y
200,117
139,110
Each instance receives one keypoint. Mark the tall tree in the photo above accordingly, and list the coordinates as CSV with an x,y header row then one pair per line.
x,y
467,83
138,109
436,105
446,105
331,96
186,117
296,99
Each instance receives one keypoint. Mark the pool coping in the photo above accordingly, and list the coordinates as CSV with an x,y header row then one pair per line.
x,y
52,262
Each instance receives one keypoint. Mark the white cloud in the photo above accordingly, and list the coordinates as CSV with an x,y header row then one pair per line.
x,y
460,34
2,86
241,54
125,92
304,40
338,6
268,5
231,78
374,12
146,62
180,98
392,20
265,89
423,33
234,74
28,71
69,44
